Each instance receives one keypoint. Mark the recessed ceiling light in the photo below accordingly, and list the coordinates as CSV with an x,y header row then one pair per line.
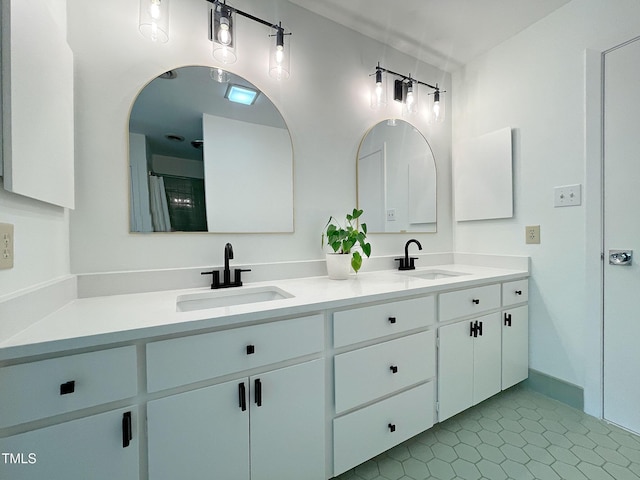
x,y
239,94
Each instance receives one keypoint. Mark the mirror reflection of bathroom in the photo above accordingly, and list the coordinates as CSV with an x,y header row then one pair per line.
x,y
198,136
396,179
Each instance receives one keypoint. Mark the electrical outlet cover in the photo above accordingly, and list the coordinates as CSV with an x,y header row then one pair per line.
x,y
6,245
532,234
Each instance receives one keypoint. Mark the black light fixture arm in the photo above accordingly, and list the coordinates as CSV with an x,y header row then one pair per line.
x,y
275,26
406,78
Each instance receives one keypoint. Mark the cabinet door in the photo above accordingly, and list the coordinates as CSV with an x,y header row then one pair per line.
x,y
288,423
200,434
455,369
91,447
487,376
515,346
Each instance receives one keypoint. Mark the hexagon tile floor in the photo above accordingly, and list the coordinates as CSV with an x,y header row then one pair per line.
x,y
519,435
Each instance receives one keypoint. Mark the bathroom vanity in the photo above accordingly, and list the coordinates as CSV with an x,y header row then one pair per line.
x,y
300,378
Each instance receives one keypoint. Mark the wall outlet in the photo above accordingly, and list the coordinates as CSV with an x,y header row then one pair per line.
x,y
567,196
6,245
391,215
532,234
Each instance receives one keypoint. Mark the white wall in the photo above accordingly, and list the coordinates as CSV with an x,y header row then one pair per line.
x,y
41,231
536,82
325,104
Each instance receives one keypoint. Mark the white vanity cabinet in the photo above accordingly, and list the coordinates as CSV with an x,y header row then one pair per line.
x,y
267,424
469,363
383,391
479,356
84,445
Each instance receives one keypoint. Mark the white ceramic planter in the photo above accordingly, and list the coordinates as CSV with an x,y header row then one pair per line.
x,y
338,265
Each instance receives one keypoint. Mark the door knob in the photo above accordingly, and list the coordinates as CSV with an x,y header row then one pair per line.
x,y
620,257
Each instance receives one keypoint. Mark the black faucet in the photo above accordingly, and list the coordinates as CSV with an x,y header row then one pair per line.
x,y
226,273
406,263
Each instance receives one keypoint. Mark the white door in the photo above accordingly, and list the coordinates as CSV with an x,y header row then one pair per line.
x,y
200,434
622,232
455,369
288,423
90,448
487,358
515,346
372,188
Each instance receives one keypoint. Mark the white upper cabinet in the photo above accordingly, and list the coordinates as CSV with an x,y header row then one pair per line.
x,y
37,104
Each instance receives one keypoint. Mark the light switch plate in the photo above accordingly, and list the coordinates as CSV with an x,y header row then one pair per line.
x,y
391,215
567,196
532,234
6,245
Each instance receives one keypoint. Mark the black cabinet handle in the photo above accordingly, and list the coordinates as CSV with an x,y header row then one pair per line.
x,y
393,368
258,392
476,301
479,328
473,331
518,292
68,387
392,320
242,394
392,427
507,319
251,349
127,430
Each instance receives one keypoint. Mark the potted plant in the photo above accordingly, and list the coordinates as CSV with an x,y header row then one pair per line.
x,y
345,241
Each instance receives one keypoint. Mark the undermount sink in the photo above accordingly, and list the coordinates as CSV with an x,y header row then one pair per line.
x,y
228,298
433,274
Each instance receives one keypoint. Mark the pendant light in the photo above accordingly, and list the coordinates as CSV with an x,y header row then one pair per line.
x,y
224,34
379,91
436,106
279,56
154,20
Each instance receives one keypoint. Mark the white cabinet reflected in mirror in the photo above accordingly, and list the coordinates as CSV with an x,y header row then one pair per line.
x,y
396,175
202,162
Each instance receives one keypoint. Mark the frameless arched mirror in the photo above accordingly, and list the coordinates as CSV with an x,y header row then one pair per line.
x,y
396,175
208,151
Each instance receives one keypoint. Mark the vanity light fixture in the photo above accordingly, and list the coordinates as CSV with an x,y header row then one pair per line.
x,y
154,20
240,94
222,34
405,90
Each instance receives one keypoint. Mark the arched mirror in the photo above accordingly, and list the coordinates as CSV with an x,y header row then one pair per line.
x,y
396,175
209,152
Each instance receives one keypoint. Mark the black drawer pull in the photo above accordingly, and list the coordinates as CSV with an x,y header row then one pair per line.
x,y
518,292
392,320
258,392
393,368
127,430
251,349
507,319
476,301
242,394
479,328
68,387
392,427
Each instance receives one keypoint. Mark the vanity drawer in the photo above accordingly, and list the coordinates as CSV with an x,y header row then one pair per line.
x,y
180,361
363,434
367,323
363,375
31,391
469,302
515,292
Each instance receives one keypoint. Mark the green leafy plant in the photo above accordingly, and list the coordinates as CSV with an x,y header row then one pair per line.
x,y
344,239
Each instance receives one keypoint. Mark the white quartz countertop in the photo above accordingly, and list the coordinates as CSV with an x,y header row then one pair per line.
x,y
89,322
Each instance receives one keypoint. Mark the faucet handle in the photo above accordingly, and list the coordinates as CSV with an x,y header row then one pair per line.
x,y
401,266
237,275
216,278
